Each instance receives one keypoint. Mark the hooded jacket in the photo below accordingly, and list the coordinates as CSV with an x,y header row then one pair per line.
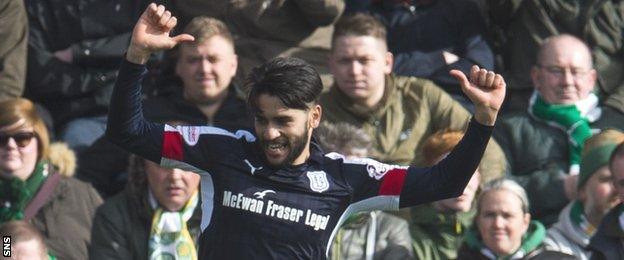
x,y
66,217
566,237
438,236
373,235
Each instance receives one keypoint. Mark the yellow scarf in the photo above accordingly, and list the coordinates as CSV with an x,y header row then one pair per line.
x,y
169,235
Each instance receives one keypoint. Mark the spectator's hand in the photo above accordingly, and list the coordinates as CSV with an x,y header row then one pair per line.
x,y
151,34
449,57
65,55
569,186
485,89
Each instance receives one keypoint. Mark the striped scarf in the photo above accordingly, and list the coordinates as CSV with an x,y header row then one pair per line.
x,y
169,235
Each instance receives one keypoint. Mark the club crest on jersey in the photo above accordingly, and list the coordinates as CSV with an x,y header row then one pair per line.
x,y
190,134
376,169
318,181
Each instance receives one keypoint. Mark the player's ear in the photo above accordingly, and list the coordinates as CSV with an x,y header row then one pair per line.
x,y
315,116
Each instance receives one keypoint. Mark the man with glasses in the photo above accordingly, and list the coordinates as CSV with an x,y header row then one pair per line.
x,y
543,145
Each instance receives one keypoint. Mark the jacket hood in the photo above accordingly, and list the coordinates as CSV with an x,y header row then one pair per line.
x,y
429,218
531,240
63,159
567,227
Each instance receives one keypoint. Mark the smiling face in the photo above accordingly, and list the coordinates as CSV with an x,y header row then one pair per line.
x,y
501,221
16,160
172,187
598,194
564,73
359,65
206,69
284,133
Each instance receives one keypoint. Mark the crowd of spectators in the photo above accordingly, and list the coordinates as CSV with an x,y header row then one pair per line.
x,y
550,184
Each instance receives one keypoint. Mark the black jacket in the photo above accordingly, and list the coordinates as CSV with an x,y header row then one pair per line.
x,y
98,33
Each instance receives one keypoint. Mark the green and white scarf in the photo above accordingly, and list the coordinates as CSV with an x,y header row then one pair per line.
x,y
15,194
578,218
169,235
574,120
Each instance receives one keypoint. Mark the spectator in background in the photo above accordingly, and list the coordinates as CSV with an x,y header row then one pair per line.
x,y
397,112
543,145
608,242
202,93
14,35
364,235
74,50
26,241
36,182
503,228
267,29
155,217
429,38
438,228
521,26
596,196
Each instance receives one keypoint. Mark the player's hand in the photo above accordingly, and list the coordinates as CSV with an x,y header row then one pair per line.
x,y
151,34
485,89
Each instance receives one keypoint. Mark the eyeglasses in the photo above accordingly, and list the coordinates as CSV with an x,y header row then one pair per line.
x,y
21,139
560,72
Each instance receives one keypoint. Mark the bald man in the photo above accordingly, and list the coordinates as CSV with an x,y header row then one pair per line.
x,y
544,143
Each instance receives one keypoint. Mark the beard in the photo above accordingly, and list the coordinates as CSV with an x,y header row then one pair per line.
x,y
296,145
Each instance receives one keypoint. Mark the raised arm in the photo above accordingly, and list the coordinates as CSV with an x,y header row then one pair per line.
x,y
413,185
126,124
449,177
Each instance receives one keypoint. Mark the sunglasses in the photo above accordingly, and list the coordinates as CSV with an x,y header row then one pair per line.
x,y
21,139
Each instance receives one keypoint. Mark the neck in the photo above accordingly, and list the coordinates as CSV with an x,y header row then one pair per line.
x,y
303,157
593,218
372,101
209,109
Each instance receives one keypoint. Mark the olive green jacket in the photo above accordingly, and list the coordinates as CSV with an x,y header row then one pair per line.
x,y
411,110
14,35
436,235
524,24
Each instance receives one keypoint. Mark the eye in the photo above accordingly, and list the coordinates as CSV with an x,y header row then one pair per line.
x,y
260,120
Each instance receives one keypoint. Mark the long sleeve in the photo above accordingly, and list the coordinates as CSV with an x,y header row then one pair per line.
x,y
381,186
448,178
126,125
107,49
14,35
49,77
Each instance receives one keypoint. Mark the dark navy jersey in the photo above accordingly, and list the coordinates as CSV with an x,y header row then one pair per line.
x,y
254,211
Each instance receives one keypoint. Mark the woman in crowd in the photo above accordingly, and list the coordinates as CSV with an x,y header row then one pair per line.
x,y
36,183
503,228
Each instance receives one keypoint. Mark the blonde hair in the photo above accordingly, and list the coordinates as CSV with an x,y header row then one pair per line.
x,y
15,110
506,185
